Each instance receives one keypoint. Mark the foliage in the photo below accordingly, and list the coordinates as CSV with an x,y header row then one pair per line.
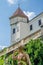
x,y
35,50
15,62
22,63
1,61
16,53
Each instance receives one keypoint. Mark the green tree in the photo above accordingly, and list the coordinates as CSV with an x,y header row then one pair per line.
x,y
35,50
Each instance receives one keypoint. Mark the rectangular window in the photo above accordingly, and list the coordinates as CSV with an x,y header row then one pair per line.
x,y
39,22
13,30
30,27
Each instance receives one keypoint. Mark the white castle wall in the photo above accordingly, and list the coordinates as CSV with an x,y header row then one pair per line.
x,y
24,27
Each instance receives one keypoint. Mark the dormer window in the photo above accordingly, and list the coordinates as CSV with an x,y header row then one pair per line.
x,y
39,22
13,30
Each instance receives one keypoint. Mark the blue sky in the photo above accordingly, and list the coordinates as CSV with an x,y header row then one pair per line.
x,y
7,8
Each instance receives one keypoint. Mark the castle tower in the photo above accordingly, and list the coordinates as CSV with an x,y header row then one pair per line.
x,y
18,22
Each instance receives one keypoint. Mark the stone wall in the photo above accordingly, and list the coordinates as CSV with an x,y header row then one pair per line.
x,y
21,42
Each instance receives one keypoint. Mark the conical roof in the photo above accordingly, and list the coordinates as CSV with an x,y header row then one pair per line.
x,y
19,13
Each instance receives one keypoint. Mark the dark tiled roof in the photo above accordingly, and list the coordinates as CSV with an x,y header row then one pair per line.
x,y
18,12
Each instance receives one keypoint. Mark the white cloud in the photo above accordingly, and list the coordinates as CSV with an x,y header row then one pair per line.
x,y
12,1
2,47
30,14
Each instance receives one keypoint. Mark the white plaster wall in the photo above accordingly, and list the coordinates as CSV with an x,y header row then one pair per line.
x,y
22,19
35,24
24,30
25,27
18,19
16,35
42,20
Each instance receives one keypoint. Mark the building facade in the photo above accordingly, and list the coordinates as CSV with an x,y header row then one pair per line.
x,y
22,27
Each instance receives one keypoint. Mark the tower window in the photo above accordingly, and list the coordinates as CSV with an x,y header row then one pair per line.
x,y
30,27
13,30
39,22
